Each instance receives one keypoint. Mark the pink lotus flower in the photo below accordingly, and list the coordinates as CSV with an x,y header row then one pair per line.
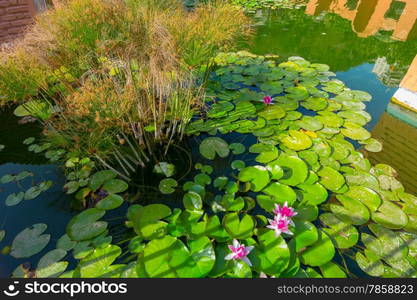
x,y
280,225
239,252
284,211
267,100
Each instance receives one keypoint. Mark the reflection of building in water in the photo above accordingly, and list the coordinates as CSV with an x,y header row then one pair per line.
x,y
400,145
370,16
389,75
406,95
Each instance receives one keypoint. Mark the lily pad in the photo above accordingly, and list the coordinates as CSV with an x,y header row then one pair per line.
x,y
237,148
272,112
352,211
342,234
313,194
297,140
390,216
295,169
280,192
98,262
238,228
258,176
111,201
85,225
101,177
50,265
14,199
367,196
319,253
355,131
164,168
115,186
211,146
330,178
271,255
167,185
30,241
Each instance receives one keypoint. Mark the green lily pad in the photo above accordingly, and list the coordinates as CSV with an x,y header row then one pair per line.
x,y
267,156
14,199
85,225
236,228
32,193
98,262
272,112
258,176
313,194
367,196
351,211
30,241
297,140
101,177
295,169
237,148
355,131
164,168
238,165
330,119
115,186
332,270
147,220
343,235
281,193
331,179
390,216
50,265
305,234
192,201
211,146
65,243
370,263
319,253
309,123
271,255
111,201
315,104
167,185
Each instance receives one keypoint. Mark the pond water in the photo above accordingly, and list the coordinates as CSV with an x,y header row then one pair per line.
x,y
343,36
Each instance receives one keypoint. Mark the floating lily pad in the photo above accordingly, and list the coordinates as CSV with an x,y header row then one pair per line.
x,y
147,220
330,178
319,253
342,234
332,270
30,241
258,176
98,262
370,263
305,234
111,201
390,215
271,255
238,228
237,148
192,201
212,146
164,168
14,199
101,177
352,211
272,112
281,192
115,186
309,123
85,225
297,140
295,169
313,194
167,185
355,131
50,265
367,196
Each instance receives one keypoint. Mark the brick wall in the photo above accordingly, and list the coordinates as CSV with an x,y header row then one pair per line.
x,y
15,15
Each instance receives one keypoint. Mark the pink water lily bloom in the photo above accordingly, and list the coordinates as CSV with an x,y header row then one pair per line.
x,y
280,225
285,210
239,252
267,100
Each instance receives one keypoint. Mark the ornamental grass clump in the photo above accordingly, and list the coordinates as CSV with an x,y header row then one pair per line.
x,y
118,74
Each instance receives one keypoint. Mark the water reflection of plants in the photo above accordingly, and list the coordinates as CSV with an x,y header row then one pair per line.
x,y
254,159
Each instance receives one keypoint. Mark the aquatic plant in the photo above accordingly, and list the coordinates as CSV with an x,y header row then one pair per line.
x,y
123,69
298,163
